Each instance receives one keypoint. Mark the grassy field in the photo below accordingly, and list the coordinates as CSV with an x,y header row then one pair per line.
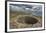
x,y
14,24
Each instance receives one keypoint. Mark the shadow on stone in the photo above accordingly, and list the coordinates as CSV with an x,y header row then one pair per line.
x,y
30,20
27,20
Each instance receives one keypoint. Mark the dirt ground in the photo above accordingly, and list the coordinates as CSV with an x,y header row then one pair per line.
x,y
15,25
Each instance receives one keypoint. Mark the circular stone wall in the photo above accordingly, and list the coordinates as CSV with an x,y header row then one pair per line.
x,y
27,20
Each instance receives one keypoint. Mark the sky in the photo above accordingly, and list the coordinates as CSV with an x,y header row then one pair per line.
x,y
37,9
23,6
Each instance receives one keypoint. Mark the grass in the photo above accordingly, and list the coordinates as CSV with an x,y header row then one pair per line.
x,y
14,24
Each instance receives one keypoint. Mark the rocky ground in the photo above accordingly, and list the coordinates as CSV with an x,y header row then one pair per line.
x,y
14,24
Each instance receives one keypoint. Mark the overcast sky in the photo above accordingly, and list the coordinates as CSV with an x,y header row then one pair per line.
x,y
26,7
37,9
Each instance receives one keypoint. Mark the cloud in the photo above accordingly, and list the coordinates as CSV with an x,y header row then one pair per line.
x,y
35,9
